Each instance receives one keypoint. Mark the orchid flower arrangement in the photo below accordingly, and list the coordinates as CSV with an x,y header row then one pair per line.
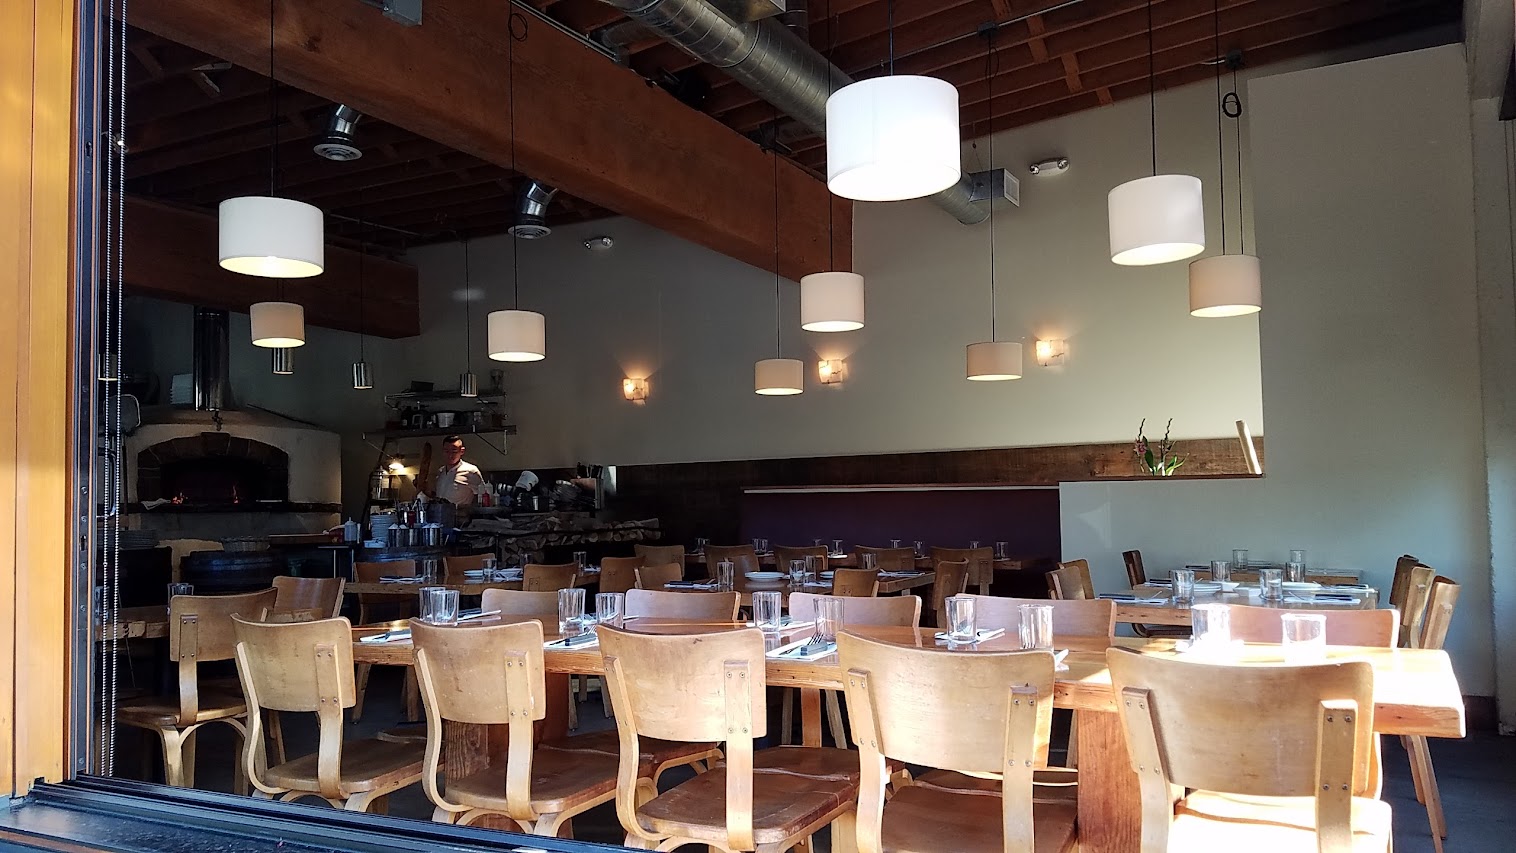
x,y
1165,462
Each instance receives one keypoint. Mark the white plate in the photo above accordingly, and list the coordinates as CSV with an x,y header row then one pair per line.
x,y
828,574
1207,586
764,576
1301,586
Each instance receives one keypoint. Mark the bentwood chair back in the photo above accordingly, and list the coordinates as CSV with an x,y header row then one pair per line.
x,y
373,573
320,594
952,578
899,610
1315,741
981,570
1136,574
516,605
619,574
862,583
1092,617
783,554
654,577
455,568
308,667
1434,631
742,556
1413,604
888,559
1071,580
1343,627
694,606
907,704
711,687
1403,566
657,555
541,578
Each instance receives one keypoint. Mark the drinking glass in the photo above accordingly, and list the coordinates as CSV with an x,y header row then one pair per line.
x,y
489,564
700,543
973,543
767,607
1184,584
439,605
870,561
1211,626
180,589
1239,558
836,546
797,573
1271,582
726,575
1294,572
431,570
1221,571
610,608
962,625
816,541
920,548
1002,550
582,558
814,566
1304,637
761,546
570,611
1297,555
828,617
1037,626
894,543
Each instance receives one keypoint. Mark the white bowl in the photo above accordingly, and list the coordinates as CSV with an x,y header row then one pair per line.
x,y
764,576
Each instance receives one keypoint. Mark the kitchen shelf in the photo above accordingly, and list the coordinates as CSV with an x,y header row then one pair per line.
x,y
434,432
485,398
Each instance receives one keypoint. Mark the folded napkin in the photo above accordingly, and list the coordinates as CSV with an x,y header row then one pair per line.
x,y
1362,587
1158,582
983,634
388,636
786,624
803,650
901,574
587,640
1323,598
692,585
399,579
1128,598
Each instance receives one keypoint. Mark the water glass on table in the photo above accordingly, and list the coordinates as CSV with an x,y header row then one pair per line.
x,y
920,548
1239,558
973,543
1271,583
1221,571
489,566
1297,555
179,589
814,565
439,605
894,543
726,575
1211,627
868,561
836,546
767,611
700,543
1184,585
1294,572
1002,550
760,546
582,558
797,573
828,617
570,612
963,625
431,570
1036,626
610,608
1304,637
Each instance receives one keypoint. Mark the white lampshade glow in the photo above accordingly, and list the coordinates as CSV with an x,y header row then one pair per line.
x,y
777,377
517,336
272,237
892,138
1156,220
831,302
277,324
994,361
1226,286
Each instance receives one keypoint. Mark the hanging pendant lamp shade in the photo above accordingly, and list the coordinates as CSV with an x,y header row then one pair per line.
x,y
831,302
779,377
1226,286
284,361
363,376
272,237
1156,220
278,324
994,361
892,138
517,336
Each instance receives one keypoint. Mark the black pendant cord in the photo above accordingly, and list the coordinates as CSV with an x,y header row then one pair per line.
x,y
831,218
1152,93
362,253
1242,232
890,10
510,77
989,75
778,309
1220,137
468,341
273,122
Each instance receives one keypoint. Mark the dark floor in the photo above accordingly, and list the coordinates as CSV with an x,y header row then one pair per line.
x,y
1477,776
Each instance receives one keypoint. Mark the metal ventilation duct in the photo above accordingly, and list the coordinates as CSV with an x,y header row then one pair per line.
x,y
531,210
772,62
338,143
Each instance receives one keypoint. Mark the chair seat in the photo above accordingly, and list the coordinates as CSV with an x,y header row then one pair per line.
x,y
1209,821
162,712
561,781
921,819
786,802
655,753
367,765
1052,784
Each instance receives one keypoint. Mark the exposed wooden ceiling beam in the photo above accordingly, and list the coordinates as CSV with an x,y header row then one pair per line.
x,y
582,124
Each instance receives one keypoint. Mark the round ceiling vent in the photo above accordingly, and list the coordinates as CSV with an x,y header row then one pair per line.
x,y
338,148
529,231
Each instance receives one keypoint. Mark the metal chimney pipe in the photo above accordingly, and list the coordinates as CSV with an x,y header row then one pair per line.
x,y
774,64
210,371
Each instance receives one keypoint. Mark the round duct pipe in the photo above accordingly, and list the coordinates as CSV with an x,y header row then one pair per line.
x,y
338,143
531,211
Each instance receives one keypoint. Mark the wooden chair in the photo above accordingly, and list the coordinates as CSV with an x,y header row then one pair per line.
x,y
693,606
907,704
658,555
540,578
1313,746
898,610
710,687
1136,575
619,574
1252,624
860,583
654,577
517,604
1093,617
1415,593
308,667
888,559
783,554
322,594
1071,581
1403,566
456,567
394,607
199,631
981,562
1434,632
952,579
742,556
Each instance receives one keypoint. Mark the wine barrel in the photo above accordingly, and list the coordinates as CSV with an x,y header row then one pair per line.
x,y
223,572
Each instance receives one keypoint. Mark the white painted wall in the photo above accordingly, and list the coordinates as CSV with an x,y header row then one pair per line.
x,y
1365,219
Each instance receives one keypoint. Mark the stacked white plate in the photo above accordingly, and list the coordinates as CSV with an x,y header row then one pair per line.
x,y
379,525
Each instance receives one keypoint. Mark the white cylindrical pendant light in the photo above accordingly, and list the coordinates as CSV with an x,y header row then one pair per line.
x,y
272,237
363,377
991,361
277,324
284,361
517,336
831,302
1225,286
778,377
1156,220
892,138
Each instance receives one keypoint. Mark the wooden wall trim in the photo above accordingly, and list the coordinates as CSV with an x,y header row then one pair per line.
x,y
37,84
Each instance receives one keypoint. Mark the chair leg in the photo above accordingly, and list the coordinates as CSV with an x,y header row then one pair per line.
x,y
412,695
834,719
573,721
605,698
173,757
787,716
362,673
845,833
187,756
1422,755
1072,759
276,734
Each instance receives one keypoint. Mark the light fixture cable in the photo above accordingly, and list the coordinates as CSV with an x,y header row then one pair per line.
x,y
989,75
778,310
1152,93
1242,232
468,341
1220,136
510,84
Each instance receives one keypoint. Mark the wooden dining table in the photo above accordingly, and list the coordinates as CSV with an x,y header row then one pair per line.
x,y
584,578
1170,612
745,586
1415,693
850,561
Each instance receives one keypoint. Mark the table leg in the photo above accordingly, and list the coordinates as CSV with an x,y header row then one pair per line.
x,y
1110,804
810,716
555,724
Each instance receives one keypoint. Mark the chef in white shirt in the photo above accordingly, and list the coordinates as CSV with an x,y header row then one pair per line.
x,y
457,481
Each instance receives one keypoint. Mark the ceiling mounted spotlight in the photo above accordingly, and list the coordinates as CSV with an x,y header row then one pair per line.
x,y
599,244
1050,166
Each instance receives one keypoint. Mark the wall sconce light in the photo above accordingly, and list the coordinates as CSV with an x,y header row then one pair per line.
x,y
634,390
832,371
1050,353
